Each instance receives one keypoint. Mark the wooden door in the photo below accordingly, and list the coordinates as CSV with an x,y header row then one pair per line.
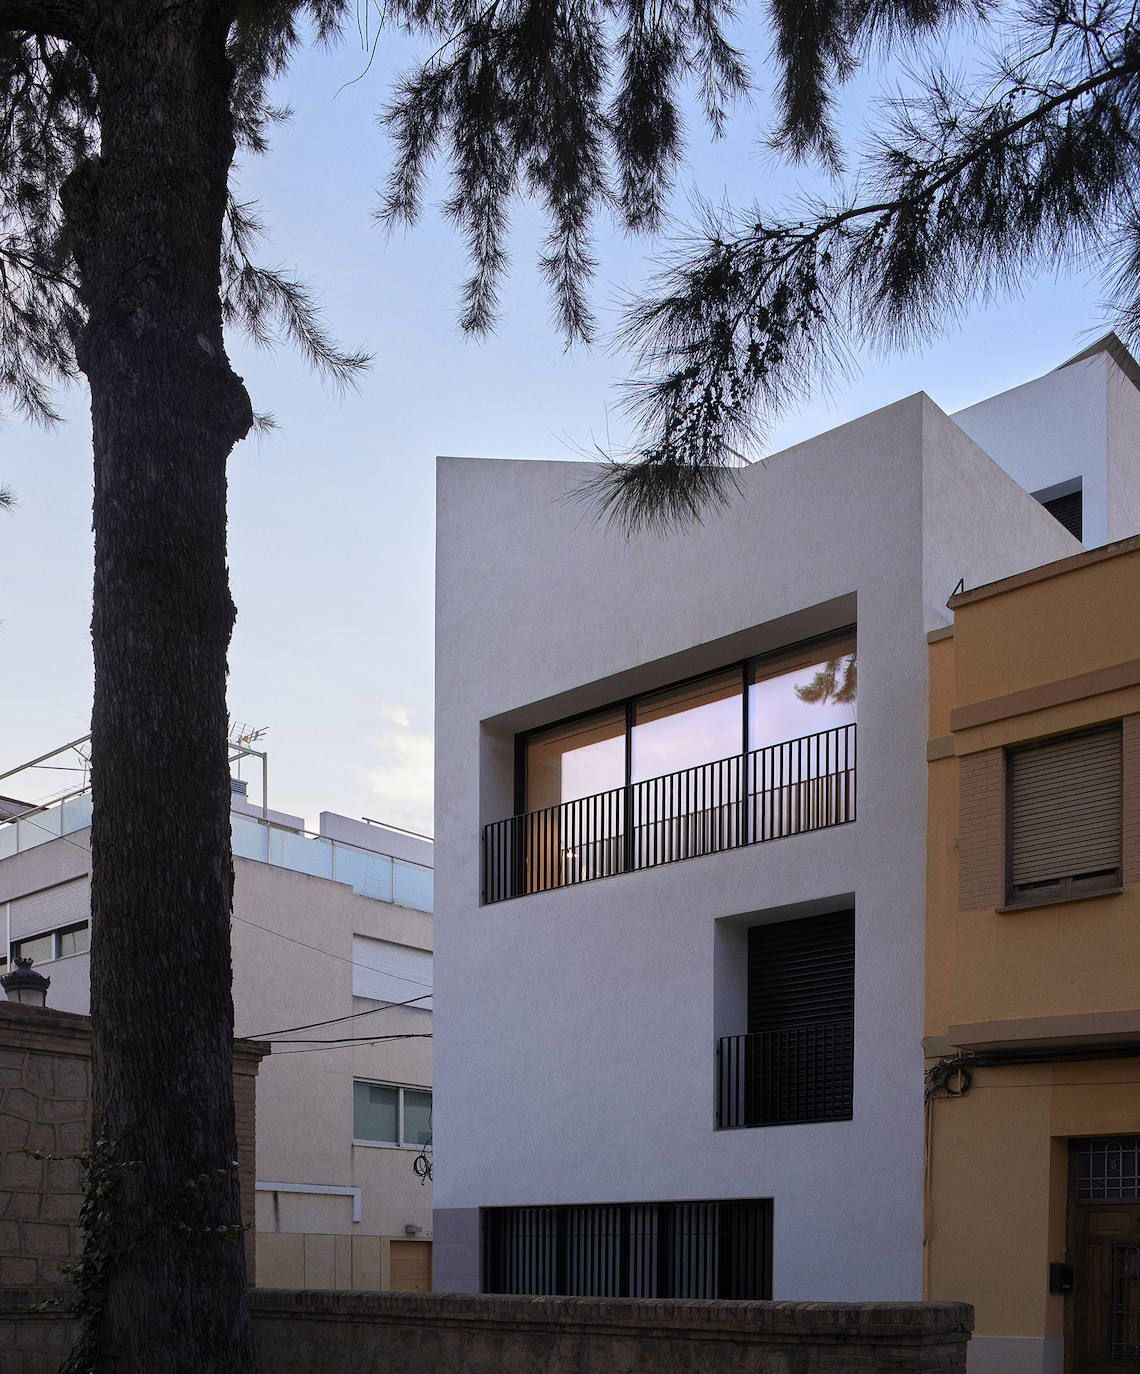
x,y
1104,1245
410,1266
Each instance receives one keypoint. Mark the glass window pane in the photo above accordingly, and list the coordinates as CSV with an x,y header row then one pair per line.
x,y
791,698
686,726
576,760
417,1117
374,1113
39,948
74,941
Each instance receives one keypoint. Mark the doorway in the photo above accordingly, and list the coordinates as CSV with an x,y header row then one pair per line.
x,y
1104,1247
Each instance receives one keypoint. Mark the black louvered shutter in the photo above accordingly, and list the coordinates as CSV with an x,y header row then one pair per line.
x,y
801,1011
1069,510
1065,812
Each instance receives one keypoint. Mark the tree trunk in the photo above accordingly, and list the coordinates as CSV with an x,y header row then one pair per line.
x,y
166,410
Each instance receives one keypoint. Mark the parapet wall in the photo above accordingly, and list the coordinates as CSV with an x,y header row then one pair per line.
x,y
45,1107
444,1333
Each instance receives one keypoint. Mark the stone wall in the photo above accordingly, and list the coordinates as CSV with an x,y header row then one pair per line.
x,y
445,1333
45,1105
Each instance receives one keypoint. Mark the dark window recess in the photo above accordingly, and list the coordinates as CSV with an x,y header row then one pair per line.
x,y
1064,816
631,1250
796,1064
1069,510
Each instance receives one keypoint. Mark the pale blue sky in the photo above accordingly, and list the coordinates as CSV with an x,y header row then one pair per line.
x,y
331,517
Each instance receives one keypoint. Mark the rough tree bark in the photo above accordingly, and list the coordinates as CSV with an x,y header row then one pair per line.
x,y
166,410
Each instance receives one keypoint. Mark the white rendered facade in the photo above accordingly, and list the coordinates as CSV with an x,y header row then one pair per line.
x,y
576,1027
312,915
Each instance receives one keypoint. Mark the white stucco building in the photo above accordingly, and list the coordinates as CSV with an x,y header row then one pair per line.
x,y
679,960
329,931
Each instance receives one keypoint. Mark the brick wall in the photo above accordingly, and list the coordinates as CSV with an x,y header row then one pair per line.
x,y
981,830
45,1105
445,1333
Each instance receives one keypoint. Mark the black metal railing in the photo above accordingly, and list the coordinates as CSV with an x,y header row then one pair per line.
x,y
719,1249
783,789
780,1077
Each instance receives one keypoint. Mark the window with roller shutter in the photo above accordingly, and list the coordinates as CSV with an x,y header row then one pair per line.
x,y
1064,816
801,1013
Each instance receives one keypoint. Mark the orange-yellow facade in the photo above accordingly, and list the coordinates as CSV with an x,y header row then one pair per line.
x,y
1034,991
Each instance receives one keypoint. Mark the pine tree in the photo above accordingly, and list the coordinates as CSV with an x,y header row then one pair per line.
x,y
124,257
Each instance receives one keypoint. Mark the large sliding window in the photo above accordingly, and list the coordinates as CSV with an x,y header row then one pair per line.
x,y
782,697
758,750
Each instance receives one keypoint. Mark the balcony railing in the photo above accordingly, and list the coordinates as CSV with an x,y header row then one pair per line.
x,y
781,1077
782,789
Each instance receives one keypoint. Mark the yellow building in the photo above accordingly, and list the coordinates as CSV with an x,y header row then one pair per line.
x,y
1033,966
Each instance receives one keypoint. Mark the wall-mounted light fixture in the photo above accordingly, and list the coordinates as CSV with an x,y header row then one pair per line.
x,y
410,1230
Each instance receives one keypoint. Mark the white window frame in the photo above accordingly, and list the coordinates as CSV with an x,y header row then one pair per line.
x,y
56,937
399,1089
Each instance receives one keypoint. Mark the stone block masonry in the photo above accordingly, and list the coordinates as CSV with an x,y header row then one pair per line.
x,y
452,1333
45,1106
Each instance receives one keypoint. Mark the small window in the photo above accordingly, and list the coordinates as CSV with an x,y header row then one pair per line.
x,y
417,1117
1064,810
73,940
38,948
1106,1169
54,944
383,1114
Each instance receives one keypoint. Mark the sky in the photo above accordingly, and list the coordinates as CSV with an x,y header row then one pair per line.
x,y
331,523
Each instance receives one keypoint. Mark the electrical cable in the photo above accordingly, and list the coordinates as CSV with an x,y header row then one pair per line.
x,y
334,1020
349,1040
313,1049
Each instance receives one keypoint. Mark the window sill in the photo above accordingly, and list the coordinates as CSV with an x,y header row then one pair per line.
x,y
1058,898
385,1145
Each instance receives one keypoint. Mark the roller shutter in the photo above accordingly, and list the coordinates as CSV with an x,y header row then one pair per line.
x,y
388,972
801,972
51,908
1065,811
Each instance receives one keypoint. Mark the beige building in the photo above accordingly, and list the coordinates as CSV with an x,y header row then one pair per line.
x,y
1033,966
332,941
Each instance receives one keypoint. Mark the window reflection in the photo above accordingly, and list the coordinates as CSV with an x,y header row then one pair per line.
x,y
576,760
789,696
787,700
685,726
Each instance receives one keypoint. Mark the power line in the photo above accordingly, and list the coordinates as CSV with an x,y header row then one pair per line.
x,y
334,1020
312,1049
345,1040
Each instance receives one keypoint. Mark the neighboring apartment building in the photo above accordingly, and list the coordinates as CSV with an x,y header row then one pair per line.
x,y
328,931
679,928
1033,966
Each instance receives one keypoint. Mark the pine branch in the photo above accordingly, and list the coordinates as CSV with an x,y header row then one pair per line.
x,y
66,19
535,98
973,191
269,304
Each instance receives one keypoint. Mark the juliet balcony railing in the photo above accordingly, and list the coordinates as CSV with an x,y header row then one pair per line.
x,y
783,789
781,1077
